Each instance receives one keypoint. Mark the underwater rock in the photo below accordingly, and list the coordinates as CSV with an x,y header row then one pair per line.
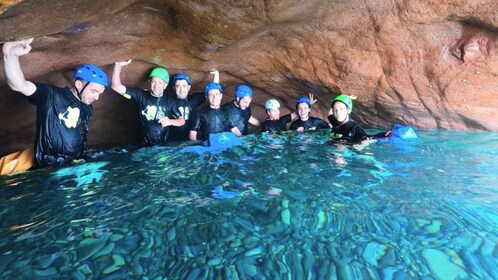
x,y
433,227
441,265
254,252
171,234
286,216
90,246
51,271
116,237
105,251
117,264
85,269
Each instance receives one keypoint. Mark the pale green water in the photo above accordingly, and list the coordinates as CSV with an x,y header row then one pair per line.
x,y
425,211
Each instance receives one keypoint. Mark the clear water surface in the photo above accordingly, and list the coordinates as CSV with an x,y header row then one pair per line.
x,y
275,207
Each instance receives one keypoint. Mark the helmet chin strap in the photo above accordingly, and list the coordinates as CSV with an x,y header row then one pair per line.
x,y
79,93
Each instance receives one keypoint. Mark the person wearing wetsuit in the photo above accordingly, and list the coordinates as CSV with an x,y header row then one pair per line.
x,y
343,127
239,111
62,114
154,108
185,104
210,119
305,122
275,122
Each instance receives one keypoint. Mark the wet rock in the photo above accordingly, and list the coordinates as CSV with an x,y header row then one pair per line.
x,y
254,252
51,271
90,246
85,269
286,216
441,265
118,262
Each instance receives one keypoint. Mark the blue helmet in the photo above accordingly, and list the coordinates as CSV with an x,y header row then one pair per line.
x,y
181,76
242,91
211,86
91,73
305,100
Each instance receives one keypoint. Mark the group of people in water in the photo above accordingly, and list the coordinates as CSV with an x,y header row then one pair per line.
x,y
63,113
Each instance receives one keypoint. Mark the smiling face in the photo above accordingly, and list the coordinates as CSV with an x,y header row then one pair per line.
x,y
91,93
214,98
340,111
303,110
181,89
157,86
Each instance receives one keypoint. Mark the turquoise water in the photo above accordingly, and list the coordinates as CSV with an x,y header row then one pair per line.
x,y
275,207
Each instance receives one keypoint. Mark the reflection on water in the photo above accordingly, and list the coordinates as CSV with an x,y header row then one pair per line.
x,y
274,207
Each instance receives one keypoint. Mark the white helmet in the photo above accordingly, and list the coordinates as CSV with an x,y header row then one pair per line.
x,y
272,104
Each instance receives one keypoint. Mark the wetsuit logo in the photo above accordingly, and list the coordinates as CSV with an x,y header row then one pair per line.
x,y
336,135
185,111
70,117
153,113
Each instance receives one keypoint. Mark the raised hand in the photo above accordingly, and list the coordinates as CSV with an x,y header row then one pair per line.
x,y
216,77
17,48
312,98
123,63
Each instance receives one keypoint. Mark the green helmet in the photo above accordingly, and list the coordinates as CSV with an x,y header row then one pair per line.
x,y
161,73
344,99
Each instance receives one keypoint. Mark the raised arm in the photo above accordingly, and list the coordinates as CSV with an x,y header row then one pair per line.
x,y
13,72
116,77
216,76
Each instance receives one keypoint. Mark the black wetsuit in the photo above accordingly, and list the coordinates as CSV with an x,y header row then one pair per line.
x,y
276,125
61,125
207,120
310,124
186,108
349,131
237,117
150,110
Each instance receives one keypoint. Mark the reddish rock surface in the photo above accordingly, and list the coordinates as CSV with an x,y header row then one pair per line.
x,y
429,64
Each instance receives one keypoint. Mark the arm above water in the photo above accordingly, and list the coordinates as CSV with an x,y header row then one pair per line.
x,y
192,136
236,131
171,122
13,72
254,121
116,77
216,76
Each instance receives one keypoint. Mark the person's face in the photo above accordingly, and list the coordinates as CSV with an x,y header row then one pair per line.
x,y
157,86
274,113
303,109
340,111
182,88
91,92
214,98
244,102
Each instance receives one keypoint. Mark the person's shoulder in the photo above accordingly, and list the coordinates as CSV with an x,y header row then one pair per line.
x,y
46,90
296,122
43,86
228,105
135,92
202,109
